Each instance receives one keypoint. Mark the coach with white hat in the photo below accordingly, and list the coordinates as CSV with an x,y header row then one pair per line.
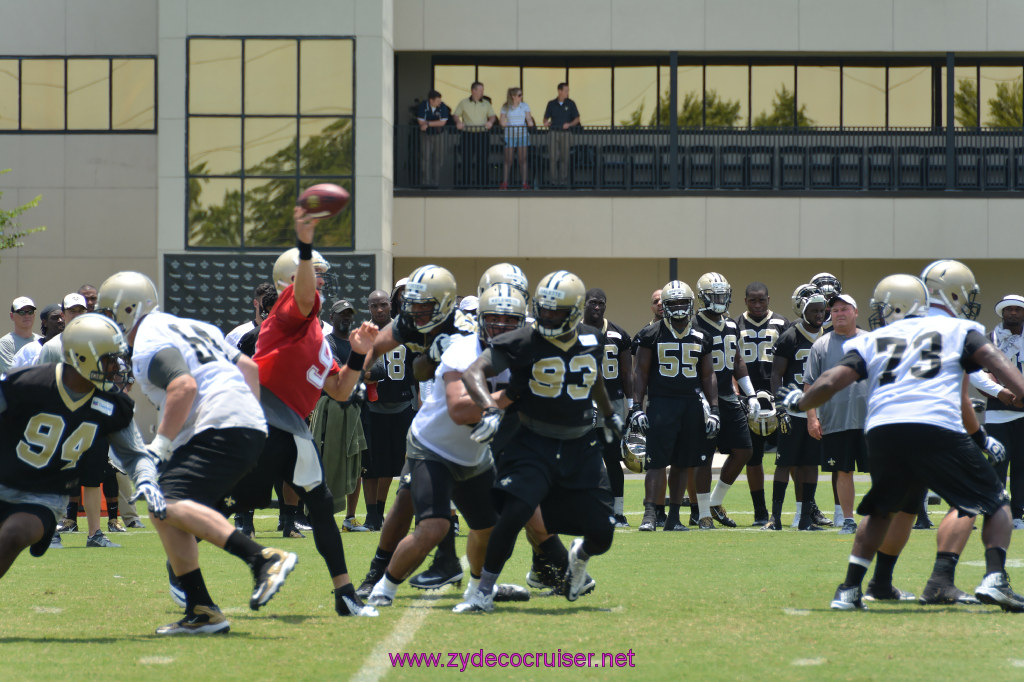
x,y
23,314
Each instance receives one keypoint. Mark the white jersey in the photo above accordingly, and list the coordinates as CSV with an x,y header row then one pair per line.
x,y
236,334
432,425
223,400
914,371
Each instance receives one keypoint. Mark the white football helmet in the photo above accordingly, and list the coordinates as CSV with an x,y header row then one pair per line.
x,y
952,284
677,301
828,284
804,294
897,297
766,421
715,292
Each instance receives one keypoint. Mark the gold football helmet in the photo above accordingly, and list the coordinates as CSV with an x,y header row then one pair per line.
x,y
287,264
714,291
952,284
897,297
765,421
634,450
429,284
500,299
95,346
127,297
507,273
677,300
559,291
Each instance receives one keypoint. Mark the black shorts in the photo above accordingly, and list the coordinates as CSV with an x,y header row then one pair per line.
x,y
276,463
676,433
757,446
908,459
436,483
39,547
534,467
844,451
208,466
734,434
96,461
797,448
385,452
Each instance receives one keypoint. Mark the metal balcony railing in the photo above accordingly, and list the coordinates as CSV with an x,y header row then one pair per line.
x,y
652,159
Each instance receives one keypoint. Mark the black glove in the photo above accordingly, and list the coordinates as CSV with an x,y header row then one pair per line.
x,y
638,420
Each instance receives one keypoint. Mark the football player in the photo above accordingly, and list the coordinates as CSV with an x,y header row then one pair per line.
x,y
554,459
715,294
915,367
295,364
260,313
210,429
427,322
759,328
445,464
49,416
617,371
674,368
796,447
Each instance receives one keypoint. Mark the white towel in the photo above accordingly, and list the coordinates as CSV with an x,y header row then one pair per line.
x,y
308,472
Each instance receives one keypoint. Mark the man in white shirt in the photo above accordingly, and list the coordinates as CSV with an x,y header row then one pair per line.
x,y
23,315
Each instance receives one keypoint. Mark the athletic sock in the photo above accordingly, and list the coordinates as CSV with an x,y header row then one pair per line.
x,y
112,509
855,571
474,583
840,517
195,589
381,559
704,505
72,511
388,585
673,515
778,497
944,568
884,566
760,508
487,580
245,548
554,552
380,510
995,560
808,518
617,506
660,509
719,493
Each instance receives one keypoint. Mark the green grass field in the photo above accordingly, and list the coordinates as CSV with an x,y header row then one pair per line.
x,y
727,604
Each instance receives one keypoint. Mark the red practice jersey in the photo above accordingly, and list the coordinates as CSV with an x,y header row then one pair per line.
x,y
293,356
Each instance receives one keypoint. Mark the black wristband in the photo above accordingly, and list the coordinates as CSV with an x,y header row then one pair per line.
x,y
714,409
305,250
355,361
979,437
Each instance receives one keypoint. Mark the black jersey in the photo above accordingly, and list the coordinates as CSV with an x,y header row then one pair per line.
x,y
794,344
406,333
675,361
397,386
757,339
46,436
551,382
724,337
616,342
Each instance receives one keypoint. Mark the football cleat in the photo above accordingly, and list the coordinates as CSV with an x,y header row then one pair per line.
x,y
203,620
293,532
68,526
353,526
760,521
848,599
55,542
373,576
936,593
661,519
674,525
773,524
810,526
379,599
440,573
923,524
890,593
705,523
995,589
115,526
349,604
478,602
693,517
510,592
622,522
301,522
818,518
719,515
135,523
98,539
849,527
175,588
271,575
1018,524
576,571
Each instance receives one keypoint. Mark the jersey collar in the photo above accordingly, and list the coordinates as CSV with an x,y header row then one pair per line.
x,y
672,330
806,334
751,321
65,397
720,325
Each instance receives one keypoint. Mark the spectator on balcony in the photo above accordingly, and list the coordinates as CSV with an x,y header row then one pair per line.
x,y
432,115
562,118
474,116
515,117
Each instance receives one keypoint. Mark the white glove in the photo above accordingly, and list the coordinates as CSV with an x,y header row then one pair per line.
x,y
712,424
995,450
638,420
790,395
614,427
485,431
154,498
161,448
438,346
753,407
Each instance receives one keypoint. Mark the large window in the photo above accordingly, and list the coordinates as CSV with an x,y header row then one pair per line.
x,y
267,118
78,94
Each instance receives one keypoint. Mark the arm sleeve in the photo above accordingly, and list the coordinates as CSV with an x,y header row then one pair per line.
x,y
984,383
132,455
972,342
167,365
855,361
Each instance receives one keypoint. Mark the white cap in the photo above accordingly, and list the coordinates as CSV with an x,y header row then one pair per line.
x,y
469,303
22,302
1009,300
71,300
846,298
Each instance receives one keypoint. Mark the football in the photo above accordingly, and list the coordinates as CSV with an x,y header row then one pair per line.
x,y
324,201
